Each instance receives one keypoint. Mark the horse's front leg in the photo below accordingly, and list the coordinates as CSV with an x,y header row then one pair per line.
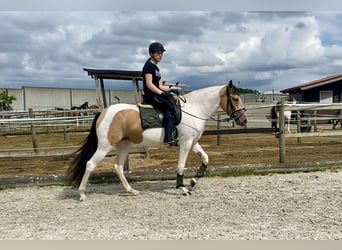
x,y
184,148
205,160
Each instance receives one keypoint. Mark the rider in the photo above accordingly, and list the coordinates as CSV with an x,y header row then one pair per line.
x,y
157,94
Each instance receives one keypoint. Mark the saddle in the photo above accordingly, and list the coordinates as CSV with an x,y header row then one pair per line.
x,y
152,118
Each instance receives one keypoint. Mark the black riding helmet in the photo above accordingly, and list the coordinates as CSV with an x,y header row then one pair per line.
x,y
154,47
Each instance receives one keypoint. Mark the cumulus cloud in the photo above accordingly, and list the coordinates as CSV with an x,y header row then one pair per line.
x,y
262,50
283,47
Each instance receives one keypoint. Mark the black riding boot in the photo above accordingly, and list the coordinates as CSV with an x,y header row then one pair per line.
x,y
169,137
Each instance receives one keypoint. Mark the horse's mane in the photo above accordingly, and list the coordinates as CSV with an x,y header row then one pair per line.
x,y
202,92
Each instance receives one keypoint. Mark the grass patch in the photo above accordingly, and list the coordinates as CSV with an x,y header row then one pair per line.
x,y
232,172
2,187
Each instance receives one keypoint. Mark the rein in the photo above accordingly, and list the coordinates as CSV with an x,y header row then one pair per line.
x,y
231,116
204,119
183,99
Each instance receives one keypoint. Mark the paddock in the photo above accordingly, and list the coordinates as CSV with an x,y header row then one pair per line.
x,y
278,206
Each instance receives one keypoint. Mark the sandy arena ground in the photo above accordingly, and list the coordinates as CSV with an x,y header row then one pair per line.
x,y
279,206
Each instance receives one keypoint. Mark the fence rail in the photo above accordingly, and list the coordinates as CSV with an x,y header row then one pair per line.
x,y
300,107
258,123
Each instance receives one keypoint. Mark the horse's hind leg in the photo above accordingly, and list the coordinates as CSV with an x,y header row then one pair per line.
x,y
288,126
205,160
122,150
91,165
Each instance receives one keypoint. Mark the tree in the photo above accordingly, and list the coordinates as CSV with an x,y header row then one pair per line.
x,y
247,91
6,100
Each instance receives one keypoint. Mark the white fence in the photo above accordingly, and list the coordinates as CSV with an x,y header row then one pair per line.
x,y
11,121
258,122
309,119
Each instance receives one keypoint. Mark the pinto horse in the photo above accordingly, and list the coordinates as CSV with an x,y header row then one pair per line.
x,y
274,112
119,125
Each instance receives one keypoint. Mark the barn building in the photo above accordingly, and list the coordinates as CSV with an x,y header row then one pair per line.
x,y
325,90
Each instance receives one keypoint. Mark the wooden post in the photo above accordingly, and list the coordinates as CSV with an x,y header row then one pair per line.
x,y
65,126
299,125
33,131
98,92
103,92
315,120
281,133
136,90
218,127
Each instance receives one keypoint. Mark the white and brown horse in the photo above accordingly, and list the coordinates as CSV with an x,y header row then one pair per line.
x,y
274,112
119,126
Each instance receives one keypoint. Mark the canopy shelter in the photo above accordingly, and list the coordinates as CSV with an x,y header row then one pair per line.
x,y
99,75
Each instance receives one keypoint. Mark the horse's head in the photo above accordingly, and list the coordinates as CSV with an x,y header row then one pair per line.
x,y
232,104
84,106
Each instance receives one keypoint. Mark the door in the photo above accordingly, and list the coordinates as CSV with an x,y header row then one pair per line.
x,y
326,96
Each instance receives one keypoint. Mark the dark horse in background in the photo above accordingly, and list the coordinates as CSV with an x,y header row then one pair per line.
x,y
84,106
78,110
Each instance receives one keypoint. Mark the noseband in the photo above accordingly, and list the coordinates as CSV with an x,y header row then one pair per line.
x,y
236,113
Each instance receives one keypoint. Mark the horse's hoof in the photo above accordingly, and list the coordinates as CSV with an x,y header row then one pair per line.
x,y
193,182
83,198
134,192
186,192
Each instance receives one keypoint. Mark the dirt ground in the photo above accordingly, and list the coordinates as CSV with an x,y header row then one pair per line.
x,y
233,150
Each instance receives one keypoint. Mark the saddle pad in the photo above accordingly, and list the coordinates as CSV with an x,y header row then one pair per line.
x,y
149,117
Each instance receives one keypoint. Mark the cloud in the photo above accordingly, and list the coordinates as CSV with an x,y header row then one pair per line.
x,y
262,50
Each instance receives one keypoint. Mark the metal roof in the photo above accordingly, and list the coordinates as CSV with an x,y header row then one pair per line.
x,y
314,83
114,74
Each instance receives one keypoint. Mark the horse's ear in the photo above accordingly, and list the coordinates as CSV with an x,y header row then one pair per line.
x,y
232,88
230,84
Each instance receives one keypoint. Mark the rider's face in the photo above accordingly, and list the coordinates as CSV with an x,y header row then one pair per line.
x,y
158,55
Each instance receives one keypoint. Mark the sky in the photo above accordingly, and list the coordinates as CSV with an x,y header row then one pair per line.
x,y
266,50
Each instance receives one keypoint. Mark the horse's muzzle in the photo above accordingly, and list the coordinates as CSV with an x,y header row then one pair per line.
x,y
240,117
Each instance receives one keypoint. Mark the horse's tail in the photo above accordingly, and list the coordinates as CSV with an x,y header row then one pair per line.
x,y
77,167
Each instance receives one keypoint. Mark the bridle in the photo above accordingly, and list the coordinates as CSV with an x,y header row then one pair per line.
x,y
236,113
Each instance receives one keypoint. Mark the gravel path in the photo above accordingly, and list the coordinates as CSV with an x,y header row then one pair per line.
x,y
279,206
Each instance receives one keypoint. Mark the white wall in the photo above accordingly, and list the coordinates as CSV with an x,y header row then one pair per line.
x,y
43,98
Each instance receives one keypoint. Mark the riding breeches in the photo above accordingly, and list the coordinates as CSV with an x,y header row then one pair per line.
x,y
162,103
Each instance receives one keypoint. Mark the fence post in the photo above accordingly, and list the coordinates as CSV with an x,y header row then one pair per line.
x,y
218,126
299,124
33,131
315,121
281,133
